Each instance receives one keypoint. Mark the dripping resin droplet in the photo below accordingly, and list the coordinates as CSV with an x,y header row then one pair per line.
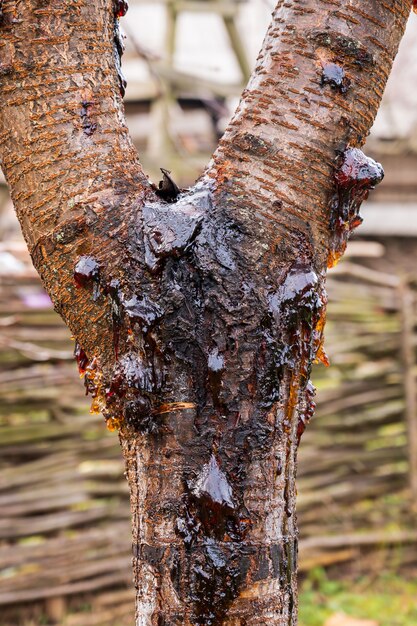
x,y
82,359
121,7
114,423
356,175
334,76
86,271
119,47
115,294
308,412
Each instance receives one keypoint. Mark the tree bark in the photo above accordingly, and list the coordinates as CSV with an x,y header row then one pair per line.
x,y
198,315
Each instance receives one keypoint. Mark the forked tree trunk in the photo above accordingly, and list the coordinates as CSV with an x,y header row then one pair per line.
x,y
198,317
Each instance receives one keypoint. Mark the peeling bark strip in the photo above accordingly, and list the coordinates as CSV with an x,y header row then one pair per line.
x,y
198,313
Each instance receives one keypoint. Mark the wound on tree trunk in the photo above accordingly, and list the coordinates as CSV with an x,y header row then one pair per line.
x,y
198,313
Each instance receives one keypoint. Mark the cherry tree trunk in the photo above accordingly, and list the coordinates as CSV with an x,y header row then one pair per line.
x,y
198,313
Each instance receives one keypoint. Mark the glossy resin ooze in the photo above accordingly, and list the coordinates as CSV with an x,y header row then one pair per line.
x,y
355,176
245,376
335,76
120,10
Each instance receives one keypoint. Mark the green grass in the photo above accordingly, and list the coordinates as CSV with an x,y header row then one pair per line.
x,y
390,600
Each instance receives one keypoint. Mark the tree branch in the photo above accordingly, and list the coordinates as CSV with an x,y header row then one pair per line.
x,y
65,150
315,91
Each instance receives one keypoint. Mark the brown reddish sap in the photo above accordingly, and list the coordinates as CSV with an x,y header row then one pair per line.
x,y
142,311
87,274
93,385
81,358
115,295
120,8
216,367
210,528
86,271
137,414
114,423
309,408
356,175
334,76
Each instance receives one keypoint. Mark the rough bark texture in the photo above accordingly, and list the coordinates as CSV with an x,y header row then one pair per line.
x,y
198,317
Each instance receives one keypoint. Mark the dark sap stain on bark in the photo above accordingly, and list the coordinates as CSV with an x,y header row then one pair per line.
x,y
86,271
215,579
188,527
239,351
210,509
335,76
298,308
86,114
119,48
355,176
175,569
168,231
289,341
262,572
81,358
213,500
345,46
228,364
87,275
307,411
67,233
136,373
115,295
138,415
138,376
139,372
213,531
154,555
143,311
216,366
219,570
252,144
291,555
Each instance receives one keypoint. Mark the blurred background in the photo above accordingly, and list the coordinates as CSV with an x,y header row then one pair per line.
x,y
64,511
